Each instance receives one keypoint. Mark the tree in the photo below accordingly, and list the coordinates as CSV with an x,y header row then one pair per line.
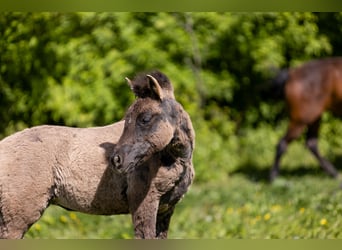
x,y
69,68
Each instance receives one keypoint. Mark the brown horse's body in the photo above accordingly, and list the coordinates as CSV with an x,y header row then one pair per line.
x,y
310,90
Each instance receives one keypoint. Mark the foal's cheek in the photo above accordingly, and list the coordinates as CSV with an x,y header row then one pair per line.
x,y
162,137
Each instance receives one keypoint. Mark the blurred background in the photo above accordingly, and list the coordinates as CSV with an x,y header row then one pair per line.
x,y
69,69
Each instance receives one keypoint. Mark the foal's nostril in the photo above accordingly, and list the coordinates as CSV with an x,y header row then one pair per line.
x,y
116,160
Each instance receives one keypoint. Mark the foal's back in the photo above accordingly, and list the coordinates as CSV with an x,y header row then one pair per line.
x,y
59,165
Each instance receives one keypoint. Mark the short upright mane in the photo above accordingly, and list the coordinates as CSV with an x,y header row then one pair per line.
x,y
141,84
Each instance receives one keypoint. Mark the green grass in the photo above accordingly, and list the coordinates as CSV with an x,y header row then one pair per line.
x,y
231,197
298,207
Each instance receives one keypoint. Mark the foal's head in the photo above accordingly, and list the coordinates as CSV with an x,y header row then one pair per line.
x,y
154,124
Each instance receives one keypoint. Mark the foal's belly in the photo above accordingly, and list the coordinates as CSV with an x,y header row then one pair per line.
x,y
97,206
100,196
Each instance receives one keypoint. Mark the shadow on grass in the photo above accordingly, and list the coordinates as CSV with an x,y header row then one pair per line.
x,y
257,173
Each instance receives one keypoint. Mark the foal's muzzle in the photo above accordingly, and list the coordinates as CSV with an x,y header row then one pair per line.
x,y
118,159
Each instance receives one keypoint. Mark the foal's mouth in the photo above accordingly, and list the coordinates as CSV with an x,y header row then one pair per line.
x,y
121,167
124,170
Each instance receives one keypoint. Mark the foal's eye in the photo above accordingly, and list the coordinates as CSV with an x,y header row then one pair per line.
x,y
145,118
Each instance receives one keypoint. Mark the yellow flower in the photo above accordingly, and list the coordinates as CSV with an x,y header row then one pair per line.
x,y
275,208
267,216
37,227
323,222
229,210
126,236
254,220
302,210
73,216
63,219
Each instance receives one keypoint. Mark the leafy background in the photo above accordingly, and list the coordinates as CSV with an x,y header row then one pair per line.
x,y
69,69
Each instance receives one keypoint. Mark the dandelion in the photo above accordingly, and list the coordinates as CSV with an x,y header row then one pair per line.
x,y
245,208
302,210
267,216
323,222
275,208
253,221
49,220
63,219
126,236
229,210
73,216
37,227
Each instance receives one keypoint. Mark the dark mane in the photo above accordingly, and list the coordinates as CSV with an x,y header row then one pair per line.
x,y
162,79
141,83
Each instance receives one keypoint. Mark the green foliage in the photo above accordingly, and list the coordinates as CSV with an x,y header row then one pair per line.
x,y
69,69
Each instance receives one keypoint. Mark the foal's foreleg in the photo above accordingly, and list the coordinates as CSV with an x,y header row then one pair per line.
x,y
143,204
144,219
312,144
163,223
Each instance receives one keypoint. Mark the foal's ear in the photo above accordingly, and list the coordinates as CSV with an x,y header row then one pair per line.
x,y
155,87
143,88
129,82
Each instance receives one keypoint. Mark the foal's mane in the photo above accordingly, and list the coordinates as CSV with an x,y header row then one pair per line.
x,y
141,83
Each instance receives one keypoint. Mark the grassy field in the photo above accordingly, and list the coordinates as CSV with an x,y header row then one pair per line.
x,y
293,207
233,199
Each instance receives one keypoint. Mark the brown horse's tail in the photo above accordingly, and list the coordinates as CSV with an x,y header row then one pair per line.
x,y
278,83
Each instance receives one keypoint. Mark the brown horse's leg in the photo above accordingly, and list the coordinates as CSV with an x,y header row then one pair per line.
x,y
311,143
293,132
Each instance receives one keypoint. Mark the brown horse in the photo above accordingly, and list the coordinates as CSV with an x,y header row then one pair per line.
x,y
310,90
